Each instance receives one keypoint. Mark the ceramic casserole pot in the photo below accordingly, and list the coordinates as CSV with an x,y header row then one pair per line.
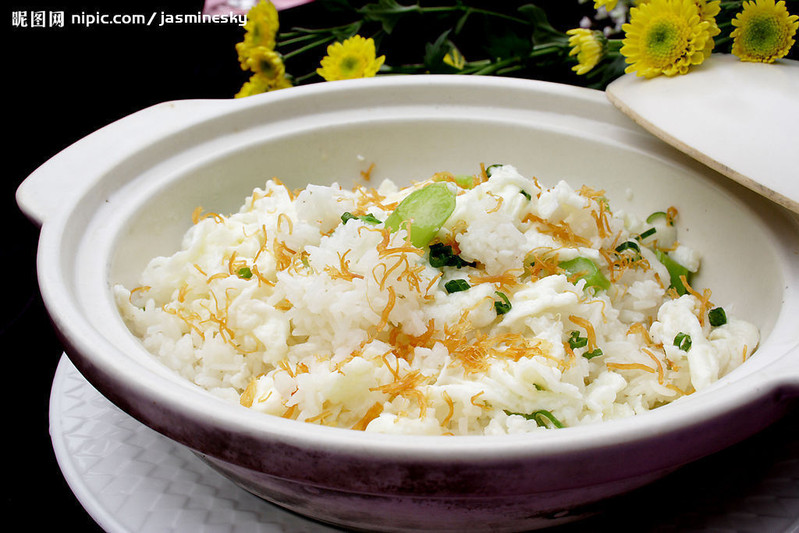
x,y
125,194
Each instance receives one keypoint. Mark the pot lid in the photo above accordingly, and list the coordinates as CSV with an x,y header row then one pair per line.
x,y
739,118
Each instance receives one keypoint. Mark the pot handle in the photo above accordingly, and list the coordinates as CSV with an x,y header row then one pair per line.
x,y
83,163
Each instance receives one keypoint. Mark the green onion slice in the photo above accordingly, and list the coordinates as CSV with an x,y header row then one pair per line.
x,y
647,233
584,268
464,181
503,306
592,354
427,209
456,285
541,417
659,215
441,255
676,270
628,245
368,218
682,341
490,169
575,341
717,316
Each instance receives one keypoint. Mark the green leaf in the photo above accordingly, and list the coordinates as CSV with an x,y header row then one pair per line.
x,y
434,54
507,44
387,12
543,32
462,21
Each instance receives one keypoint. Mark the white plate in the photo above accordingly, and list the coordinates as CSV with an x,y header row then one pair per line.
x,y
740,119
130,478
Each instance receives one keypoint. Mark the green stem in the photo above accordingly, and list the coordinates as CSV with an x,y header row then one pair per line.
x,y
546,49
300,38
298,51
509,70
490,13
300,79
403,69
721,41
493,67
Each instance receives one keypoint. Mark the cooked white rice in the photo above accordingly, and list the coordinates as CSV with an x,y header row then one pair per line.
x,y
285,309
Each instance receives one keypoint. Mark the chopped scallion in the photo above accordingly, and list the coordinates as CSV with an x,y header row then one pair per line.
x,y
584,268
368,218
575,341
659,215
490,169
676,271
682,341
456,285
441,255
427,209
628,245
464,181
541,417
717,316
647,233
592,354
503,306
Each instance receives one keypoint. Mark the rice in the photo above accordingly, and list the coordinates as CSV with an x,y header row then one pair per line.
x,y
309,306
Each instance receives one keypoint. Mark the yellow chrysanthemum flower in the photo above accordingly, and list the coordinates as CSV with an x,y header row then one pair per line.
x,y
258,83
267,63
764,31
588,46
353,58
607,4
260,30
665,37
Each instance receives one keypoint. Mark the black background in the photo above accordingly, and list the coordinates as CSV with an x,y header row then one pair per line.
x,y
64,83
